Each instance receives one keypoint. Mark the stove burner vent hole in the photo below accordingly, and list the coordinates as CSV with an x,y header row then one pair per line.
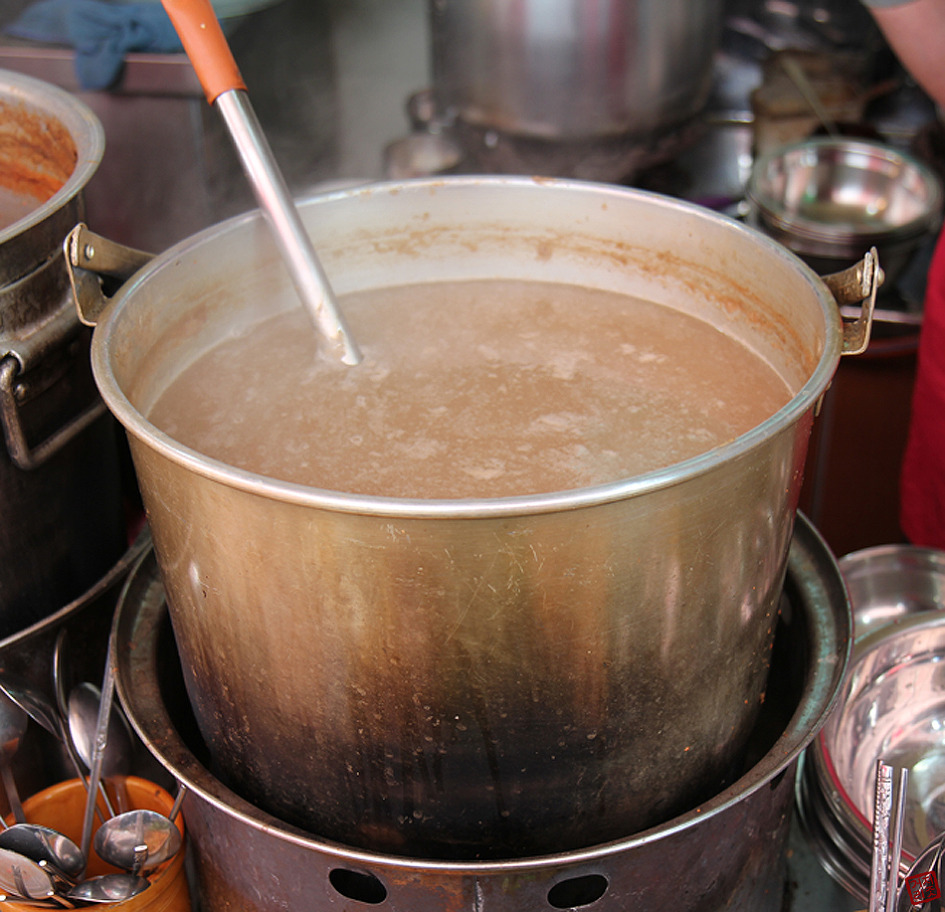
x,y
577,891
356,885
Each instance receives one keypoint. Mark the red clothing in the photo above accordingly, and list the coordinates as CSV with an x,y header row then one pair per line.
x,y
923,470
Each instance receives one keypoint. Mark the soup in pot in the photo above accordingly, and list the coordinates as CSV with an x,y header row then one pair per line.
x,y
472,389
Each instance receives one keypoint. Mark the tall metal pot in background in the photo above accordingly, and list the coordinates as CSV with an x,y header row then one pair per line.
x,y
475,678
61,523
571,88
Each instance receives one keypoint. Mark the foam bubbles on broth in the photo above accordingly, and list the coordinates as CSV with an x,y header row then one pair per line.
x,y
475,389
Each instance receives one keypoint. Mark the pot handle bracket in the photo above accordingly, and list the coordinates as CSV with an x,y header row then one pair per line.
x,y
29,351
86,256
14,366
97,266
857,285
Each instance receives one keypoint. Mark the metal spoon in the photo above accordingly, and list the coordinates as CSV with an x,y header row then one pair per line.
x,y
41,710
23,877
38,843
137,841
84,704
882,816
108,888
895,839
33,702
206,46
42,844
101,741
13,721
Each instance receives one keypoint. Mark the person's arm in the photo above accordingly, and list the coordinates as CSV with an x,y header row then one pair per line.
x,y
916,32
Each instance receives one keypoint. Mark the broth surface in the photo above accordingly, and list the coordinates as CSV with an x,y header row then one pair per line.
x,y
475,389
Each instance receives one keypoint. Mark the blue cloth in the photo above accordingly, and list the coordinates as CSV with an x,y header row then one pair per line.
x,y
102,33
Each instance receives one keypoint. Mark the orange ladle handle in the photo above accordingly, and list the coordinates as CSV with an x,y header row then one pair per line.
x,y
198,28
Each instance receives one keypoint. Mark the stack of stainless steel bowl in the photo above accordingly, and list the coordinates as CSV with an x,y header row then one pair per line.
x,y
829,200
892,707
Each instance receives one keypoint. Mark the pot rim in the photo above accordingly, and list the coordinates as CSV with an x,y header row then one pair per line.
x,y
805,399
812,576
84,127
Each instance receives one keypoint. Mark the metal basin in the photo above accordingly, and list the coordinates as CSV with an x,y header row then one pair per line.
x,y
891,707
725,854
888,582
832,199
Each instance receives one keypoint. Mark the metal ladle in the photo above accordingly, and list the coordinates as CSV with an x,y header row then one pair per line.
x,y
206,46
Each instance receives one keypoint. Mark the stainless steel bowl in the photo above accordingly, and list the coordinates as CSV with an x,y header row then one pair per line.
x,y
829,200
888,582
892,707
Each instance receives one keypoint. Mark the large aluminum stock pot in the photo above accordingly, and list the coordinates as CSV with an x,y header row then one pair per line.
x,y
475,678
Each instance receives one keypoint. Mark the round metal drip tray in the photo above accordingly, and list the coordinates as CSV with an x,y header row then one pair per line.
x,y
726,854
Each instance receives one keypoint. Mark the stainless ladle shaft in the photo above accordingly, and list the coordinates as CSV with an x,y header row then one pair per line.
x,y
200,32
